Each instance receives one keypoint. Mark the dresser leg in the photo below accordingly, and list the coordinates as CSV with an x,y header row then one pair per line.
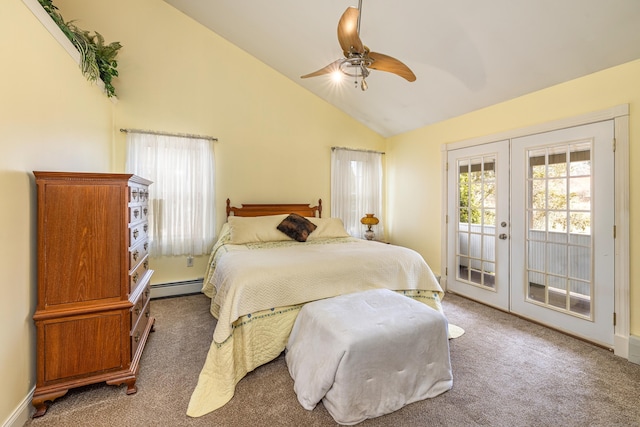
x,y
131,387
40,402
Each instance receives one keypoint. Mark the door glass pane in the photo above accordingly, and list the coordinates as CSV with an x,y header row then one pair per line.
x,y
580,263
557,291
580,193
536,256
489,221
538,220
580,223
538,194
559,209
579,299
477,220
557,259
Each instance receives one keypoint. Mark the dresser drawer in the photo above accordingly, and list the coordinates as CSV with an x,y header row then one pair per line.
x,y
137,332
137,254
138,213
138,233
140,306
136,312
136,277
134,193
138,193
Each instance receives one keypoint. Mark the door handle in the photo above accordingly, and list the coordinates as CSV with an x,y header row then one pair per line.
x,y
502,236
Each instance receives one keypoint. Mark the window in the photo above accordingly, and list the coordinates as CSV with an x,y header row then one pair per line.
x,y
356,188
181,199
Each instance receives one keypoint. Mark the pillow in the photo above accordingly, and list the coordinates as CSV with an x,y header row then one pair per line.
x,y
225,232
327,227
256,229
297,227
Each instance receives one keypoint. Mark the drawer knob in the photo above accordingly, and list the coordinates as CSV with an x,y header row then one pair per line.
x,y
137,337
137,310
136,212
135,233
135,278
135,255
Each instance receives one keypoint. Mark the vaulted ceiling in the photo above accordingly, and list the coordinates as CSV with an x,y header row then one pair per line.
x,y
466,54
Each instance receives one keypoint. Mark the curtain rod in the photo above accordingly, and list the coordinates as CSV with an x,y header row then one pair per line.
x,y
183,135
357,149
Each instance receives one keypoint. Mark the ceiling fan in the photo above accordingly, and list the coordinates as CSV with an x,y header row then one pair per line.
x,y
358,59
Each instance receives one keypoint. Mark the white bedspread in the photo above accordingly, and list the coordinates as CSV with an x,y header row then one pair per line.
x,y
256,290
247,281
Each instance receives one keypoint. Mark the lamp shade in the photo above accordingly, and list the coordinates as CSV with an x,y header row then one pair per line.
x,y
369,219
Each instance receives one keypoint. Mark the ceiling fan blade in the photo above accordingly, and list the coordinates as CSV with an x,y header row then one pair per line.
x,y
334,66
348,36
386,63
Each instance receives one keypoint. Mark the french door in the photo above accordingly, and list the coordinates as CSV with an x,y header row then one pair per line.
x,y
478,223
563,230
530,228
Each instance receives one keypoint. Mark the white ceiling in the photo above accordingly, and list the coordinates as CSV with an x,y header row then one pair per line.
x,y
466,54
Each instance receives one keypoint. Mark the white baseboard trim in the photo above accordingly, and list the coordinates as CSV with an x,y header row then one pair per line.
x,y
621,346
176,288
21,415
634,349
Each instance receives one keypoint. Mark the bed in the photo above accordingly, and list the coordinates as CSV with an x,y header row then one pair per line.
x,y
259,278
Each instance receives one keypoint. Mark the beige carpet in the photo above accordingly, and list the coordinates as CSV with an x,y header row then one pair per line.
x,y
507,372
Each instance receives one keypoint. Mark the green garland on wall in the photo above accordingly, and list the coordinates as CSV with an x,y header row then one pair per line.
x,y
98,61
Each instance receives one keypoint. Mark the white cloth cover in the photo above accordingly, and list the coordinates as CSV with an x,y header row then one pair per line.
x,y
368,354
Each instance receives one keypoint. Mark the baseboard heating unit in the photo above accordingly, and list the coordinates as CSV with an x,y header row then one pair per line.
x,y
176,288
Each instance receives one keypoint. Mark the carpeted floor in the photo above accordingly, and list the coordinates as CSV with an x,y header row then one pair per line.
x,y
507,372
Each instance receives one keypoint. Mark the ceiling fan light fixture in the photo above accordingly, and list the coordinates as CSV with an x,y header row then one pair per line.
x,y
358,59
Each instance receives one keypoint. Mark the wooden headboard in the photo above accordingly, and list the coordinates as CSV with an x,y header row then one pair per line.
x,y
275,209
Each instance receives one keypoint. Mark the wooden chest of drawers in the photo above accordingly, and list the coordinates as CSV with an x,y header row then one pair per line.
x,y
93,315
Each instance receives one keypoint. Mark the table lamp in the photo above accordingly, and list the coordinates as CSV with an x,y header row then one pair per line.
x,y
369,220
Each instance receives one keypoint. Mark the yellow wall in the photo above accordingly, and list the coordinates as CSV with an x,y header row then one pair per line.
x,y
415,157
176,76
51,118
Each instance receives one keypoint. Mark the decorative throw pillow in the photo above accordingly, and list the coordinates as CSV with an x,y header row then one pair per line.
x,y
297,227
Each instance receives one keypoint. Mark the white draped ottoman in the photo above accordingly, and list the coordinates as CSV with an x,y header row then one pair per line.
x,y
368,354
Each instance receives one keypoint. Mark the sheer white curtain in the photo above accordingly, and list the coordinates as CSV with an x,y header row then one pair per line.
x,y
181,198
356,188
